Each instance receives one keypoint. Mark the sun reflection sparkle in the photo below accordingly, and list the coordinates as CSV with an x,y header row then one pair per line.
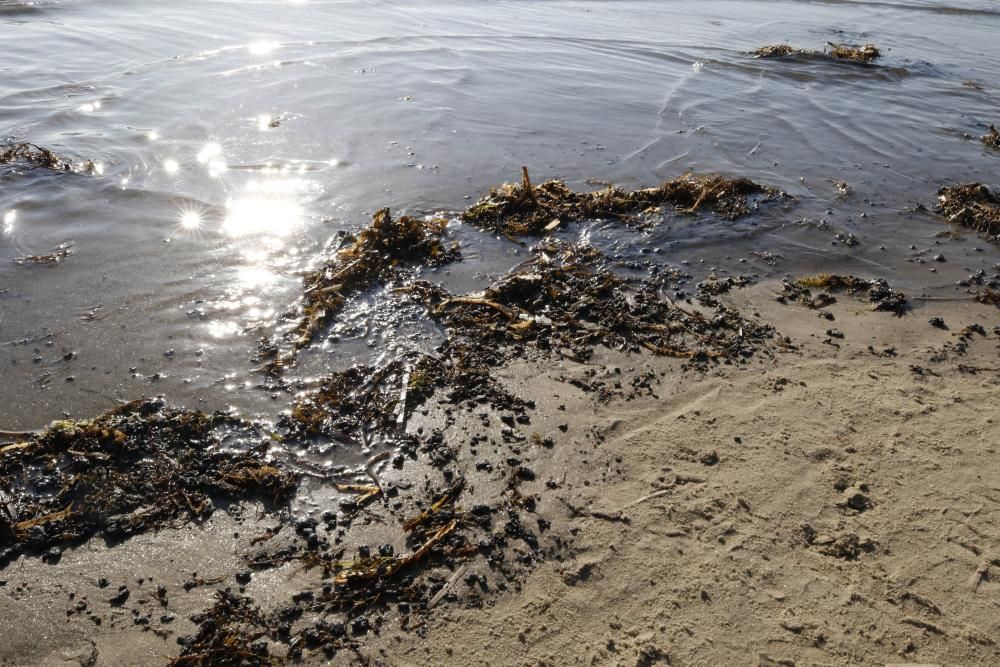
x,y
268,207
262,47
8,221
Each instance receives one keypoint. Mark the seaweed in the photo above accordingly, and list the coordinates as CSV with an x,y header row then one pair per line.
x,y
350,404
376,255
233,633
526,209
59,254
971,205
139,467
860,54
34,155
566,300
992,138
875,291
775,51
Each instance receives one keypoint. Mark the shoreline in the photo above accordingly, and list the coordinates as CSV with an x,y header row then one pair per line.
x,y
834,495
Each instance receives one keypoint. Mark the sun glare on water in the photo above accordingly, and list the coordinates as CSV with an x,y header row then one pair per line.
x,y
265,208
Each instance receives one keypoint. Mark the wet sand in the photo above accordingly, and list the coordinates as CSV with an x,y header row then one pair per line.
x,y
834,505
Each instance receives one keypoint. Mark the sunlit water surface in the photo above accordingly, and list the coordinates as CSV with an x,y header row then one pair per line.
x,y
232,140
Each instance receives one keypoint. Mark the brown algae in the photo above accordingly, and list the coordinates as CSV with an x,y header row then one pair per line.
x,y
526,209
971,205
859,54
992,138
139,467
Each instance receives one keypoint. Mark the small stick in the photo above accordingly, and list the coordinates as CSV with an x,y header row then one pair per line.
x,y
657,494
526,184
447,587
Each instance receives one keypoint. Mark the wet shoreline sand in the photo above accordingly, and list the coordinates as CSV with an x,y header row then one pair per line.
x,y
836,503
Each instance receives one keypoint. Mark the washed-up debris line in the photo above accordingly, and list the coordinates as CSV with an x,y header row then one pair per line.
x,y
992,138
875,291
526,209
567,300
971,205
139,467
31,154
860,54
376,254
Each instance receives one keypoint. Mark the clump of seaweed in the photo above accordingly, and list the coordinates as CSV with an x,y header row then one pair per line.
x,y
875,291
62,252
567,301
232,633
775,51
859,54
992,138
34,155
971,205
526,209
350,403
375,256
139,467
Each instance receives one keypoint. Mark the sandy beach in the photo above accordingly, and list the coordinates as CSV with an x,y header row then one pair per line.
x,y
835,505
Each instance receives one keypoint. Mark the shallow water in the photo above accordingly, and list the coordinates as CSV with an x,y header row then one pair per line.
x,y
235,139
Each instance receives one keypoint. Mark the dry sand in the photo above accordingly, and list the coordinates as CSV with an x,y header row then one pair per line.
x,y
833,506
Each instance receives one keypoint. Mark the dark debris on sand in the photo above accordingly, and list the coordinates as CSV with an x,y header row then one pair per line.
x,y
526,209
971,205
875,291
139,467
567,300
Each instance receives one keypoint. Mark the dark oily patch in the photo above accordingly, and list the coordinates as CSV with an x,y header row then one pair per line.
x,y
377,253
971,205
992,138
526,209
139,467
875,291
860,54
567,300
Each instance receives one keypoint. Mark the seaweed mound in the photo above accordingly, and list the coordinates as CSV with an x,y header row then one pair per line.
x,y
524,209
971,205
139,467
